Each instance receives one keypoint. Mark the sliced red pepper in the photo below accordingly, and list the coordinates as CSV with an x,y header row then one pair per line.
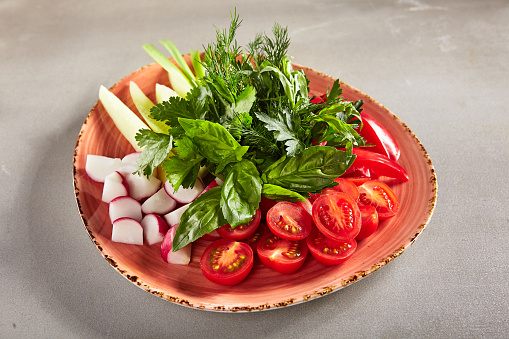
x,y
377,135
377,165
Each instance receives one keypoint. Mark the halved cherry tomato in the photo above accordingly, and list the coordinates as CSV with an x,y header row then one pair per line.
x,y
327,251
265,205
379,195
254,238
379,136
227,262
289,221
337,216
369,225
377,164
345,186
307,205
281,255
242,231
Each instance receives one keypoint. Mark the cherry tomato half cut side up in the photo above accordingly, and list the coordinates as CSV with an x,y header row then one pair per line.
x,y
337,216
226,262
369,225
254,238
378,135
327,251
380,196
289,221
281,255
242,231
344,186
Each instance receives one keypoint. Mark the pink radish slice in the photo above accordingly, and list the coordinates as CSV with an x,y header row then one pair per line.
x,y
125,207
128,163
115,186
98,167
180,257
173,218
159,203
184,195
154,228
128,231
218,181
140,187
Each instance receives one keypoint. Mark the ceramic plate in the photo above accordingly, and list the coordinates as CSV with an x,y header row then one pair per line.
x,y
263,289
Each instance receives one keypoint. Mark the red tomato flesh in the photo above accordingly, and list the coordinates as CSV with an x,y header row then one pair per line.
x,y
281,255
337,216
380,196
327,251
369,218
345,186
242,231
226,261
289,221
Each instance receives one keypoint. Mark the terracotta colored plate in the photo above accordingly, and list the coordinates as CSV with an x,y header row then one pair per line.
x,y
263,289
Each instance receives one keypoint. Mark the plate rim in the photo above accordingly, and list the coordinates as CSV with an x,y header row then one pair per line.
x,y
307,297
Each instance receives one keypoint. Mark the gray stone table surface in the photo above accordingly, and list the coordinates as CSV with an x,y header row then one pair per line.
x,y
440,66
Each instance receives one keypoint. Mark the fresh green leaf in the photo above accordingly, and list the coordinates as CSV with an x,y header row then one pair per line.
x,y
310,171
213,141
157,146
241,193
203,216
286,128
182,168
279,193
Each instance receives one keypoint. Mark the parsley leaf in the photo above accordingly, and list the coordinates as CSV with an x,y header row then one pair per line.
x,y
157,146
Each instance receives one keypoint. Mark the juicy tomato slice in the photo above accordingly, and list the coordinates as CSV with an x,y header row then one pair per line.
x,y
378,135
289,221
345,186
254,238
369,217
376,164
337,216
327,251
242,231
380,196
281,255
307,205
226,261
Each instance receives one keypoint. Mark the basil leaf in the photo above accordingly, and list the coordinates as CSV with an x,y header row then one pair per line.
x,y
203,216
213,141
279,193
241,193
310,171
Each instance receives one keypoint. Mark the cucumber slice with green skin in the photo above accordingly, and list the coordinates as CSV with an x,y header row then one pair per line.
x,y
144,104
178,80
127,122
164,93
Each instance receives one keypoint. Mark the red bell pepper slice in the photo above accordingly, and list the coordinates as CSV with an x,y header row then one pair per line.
x,y
378,135
377,165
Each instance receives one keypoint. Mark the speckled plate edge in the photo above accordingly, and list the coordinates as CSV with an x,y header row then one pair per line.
x,y
283,303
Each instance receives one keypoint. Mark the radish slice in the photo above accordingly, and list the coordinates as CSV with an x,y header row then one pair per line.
x,y
184,195
173,218
180,257
98,167
140,187
128,231
125,207
159,203
115,186
154,228
128,163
